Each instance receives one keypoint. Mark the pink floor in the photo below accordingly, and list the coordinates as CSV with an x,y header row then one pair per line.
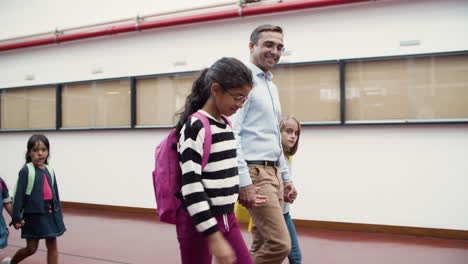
x,y
98,237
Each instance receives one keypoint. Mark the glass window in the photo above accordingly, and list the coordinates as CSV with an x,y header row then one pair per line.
x,y
311,92
28,108
431,87
160,97
96,104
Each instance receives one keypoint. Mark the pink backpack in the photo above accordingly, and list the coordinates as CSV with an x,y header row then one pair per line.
x,y
167,172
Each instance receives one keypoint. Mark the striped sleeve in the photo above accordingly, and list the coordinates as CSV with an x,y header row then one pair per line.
x,y
191,140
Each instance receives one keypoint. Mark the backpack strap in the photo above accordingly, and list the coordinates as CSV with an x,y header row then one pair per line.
x,y
208,139
32,176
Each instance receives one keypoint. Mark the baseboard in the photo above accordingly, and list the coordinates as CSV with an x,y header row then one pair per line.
x,y
112,208
384,229
338,226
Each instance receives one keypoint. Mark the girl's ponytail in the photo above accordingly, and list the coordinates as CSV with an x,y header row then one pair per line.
x,y
196,99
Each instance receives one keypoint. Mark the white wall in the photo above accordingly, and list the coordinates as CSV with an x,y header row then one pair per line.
x,y
104,167
393,175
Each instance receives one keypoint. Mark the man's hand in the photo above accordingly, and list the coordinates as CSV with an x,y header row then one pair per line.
x,y
249,198
290,193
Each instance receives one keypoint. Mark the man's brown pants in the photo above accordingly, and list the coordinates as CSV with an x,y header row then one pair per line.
x,y
271,242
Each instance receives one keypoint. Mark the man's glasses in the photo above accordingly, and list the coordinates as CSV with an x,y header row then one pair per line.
x,y
238,99
272,45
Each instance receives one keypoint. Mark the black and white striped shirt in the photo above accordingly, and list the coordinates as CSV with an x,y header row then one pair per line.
x,y
215,190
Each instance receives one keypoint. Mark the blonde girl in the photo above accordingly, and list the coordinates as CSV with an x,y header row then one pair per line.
x,y
290,133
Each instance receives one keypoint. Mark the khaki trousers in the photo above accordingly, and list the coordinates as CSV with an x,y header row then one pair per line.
x,y
271,241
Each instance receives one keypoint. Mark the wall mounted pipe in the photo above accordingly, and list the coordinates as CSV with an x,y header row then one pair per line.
x,y
122,20
241,11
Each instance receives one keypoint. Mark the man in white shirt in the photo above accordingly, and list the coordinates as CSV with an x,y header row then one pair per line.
x,y
262,167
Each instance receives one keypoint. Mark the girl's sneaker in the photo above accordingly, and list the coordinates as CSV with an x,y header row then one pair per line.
x,y
6,261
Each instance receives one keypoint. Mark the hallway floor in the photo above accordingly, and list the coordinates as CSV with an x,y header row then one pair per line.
x,y
99,237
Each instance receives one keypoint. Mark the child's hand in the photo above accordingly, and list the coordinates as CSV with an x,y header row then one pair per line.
x,y
19,225
290,193
221,250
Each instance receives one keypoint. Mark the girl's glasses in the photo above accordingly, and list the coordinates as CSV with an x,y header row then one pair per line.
x,y
238,99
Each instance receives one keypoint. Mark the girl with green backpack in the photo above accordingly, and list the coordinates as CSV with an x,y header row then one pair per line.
x,y
36,203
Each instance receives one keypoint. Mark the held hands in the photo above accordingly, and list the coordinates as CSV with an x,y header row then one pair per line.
x,y
19,225
260,200
250,198
290,193
220,249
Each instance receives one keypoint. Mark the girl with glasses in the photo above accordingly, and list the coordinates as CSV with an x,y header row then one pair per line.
x,y
206,225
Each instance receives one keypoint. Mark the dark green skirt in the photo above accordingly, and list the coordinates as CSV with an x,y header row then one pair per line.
x,y
47,225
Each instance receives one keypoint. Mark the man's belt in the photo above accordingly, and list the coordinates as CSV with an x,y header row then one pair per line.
x,y
263,162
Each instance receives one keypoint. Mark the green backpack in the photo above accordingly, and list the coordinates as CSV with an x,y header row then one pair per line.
x,y
32,177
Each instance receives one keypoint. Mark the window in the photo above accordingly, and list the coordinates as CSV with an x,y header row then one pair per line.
x,y
311,92
159,98
413,88
96,104
28,108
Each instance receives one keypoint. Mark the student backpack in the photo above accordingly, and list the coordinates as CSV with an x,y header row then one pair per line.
x,y
167,173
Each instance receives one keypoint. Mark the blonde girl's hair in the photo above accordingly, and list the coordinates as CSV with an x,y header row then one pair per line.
x,y
283,120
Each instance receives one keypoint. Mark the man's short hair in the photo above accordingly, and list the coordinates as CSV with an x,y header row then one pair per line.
x,y
263,28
